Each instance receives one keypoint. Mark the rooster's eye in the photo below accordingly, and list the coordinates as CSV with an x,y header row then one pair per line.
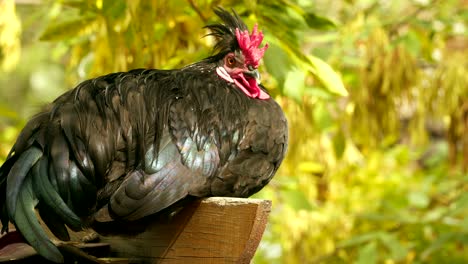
x,y
230,61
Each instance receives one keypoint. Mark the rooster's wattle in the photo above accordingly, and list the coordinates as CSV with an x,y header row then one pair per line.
x,y
127,145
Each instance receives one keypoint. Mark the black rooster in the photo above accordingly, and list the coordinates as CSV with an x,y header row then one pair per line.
x,y
127,145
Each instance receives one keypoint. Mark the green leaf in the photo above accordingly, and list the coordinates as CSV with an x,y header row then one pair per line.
x,y
339,144
76,4
318,22
296,200
9,134
6,112
435,214
277,63
294,84
312,20
322,118
464,225
418,199
327,76
319,93
368,254
114,9
68,29
159,31
411,42
438,244
359,239
397,251
460,206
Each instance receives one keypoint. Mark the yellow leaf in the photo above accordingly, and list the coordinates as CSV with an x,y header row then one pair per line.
x,y
68,29
311,167
327,76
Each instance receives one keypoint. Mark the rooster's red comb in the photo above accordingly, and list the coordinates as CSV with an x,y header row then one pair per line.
x,y
250,44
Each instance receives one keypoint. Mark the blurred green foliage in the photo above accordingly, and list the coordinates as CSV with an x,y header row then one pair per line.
x,y
375,92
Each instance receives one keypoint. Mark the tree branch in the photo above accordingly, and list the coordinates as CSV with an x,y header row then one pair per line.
x,y
197,10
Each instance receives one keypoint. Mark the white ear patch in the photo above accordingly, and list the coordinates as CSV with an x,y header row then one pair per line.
x,y
223,74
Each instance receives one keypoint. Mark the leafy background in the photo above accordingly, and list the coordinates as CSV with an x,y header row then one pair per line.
x,y
375,92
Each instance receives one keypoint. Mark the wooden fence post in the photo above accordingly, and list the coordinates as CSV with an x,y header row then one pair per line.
x,y
211,230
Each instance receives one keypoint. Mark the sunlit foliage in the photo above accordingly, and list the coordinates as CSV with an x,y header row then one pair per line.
x,y
10,30
376,94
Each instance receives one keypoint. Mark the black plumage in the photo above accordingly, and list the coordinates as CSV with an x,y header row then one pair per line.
x,y
127,145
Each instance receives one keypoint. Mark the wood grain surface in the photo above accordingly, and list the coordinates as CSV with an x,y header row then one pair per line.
x,y
211,230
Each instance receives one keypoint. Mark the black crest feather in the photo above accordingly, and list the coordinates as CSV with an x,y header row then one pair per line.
x,y
225,33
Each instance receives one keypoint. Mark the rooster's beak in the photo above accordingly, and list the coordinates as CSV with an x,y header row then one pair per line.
x,y
253,73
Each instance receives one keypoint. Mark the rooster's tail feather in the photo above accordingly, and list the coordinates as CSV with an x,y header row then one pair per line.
x,y
21,201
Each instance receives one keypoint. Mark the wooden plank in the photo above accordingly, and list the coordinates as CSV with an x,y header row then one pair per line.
x,y
215,230
210,230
